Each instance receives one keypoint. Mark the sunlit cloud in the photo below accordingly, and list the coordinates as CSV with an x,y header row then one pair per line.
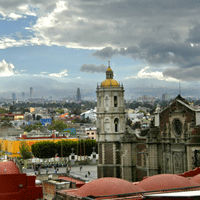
x,y
145,74
63,73
6,69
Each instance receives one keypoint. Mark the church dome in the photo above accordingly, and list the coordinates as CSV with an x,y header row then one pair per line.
x,y
107,186
9,167
165,181
196,179
110,83
109,69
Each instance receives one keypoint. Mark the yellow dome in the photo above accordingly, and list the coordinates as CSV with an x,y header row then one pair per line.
x,y
109,69
110,83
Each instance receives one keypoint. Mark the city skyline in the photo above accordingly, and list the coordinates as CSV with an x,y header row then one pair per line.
x,y
62,45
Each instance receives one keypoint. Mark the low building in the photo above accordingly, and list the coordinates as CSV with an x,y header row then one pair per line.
x,y
91,133
10,145
16,185
51,186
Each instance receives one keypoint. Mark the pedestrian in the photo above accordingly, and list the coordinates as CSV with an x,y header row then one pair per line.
x,y
55,171
70,168
80,168
88,173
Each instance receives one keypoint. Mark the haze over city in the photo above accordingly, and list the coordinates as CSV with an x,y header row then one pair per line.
x,y
57,46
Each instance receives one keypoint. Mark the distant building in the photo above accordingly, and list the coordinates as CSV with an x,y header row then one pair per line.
x,y
91,114
91,133
165,97
78,95
13,96
23,96
10,145
31,92
45,122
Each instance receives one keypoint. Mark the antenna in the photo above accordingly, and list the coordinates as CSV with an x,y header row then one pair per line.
x,y
179,88
109,63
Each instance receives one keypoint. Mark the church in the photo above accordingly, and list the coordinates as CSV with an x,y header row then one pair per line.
x,y
171,145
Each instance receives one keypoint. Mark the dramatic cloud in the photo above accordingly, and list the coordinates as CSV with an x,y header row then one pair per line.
x,y
6,69
185,74
144,74
159,33
93,68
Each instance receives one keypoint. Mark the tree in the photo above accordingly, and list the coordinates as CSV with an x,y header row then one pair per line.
x,y
129,122
6,122
57,125
25,150
28,117
36,126
5,119
60,111
44,149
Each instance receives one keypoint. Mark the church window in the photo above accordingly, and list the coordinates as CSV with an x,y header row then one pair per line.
x,y
115,101
99,101
106,101
116,122
177,126
107,124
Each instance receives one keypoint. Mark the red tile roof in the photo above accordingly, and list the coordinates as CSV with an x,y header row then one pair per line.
x,y
165,181
8,167
78,183
107,186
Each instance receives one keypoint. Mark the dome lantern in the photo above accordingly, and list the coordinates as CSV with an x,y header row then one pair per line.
x,y
109,82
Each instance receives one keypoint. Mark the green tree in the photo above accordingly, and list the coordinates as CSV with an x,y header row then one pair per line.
x,y
28,128
5,119
57,125
36,126
25,150
129,122
44,149
6,122
141,111
60,111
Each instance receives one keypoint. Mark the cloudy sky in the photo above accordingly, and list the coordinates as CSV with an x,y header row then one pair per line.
x,y
149,43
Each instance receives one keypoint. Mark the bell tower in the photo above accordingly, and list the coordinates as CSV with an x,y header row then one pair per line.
x,y
110,125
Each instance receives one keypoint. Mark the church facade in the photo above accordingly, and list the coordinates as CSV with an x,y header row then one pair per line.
x,y
172,144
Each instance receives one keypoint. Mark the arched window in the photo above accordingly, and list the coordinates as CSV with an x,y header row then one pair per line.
x,y
115,101
116,122
99,101
106,101
107,124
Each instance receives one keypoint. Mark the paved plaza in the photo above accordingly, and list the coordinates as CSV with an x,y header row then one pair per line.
x,y
75,172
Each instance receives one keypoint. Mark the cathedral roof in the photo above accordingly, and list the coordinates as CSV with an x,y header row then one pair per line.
x,y
107,186
9,167
196,179
109,69
110,83
165,181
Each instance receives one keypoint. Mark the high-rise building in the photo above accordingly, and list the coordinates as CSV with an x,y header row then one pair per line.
x,y
165,97
31,92
13,96
78,95
23,96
